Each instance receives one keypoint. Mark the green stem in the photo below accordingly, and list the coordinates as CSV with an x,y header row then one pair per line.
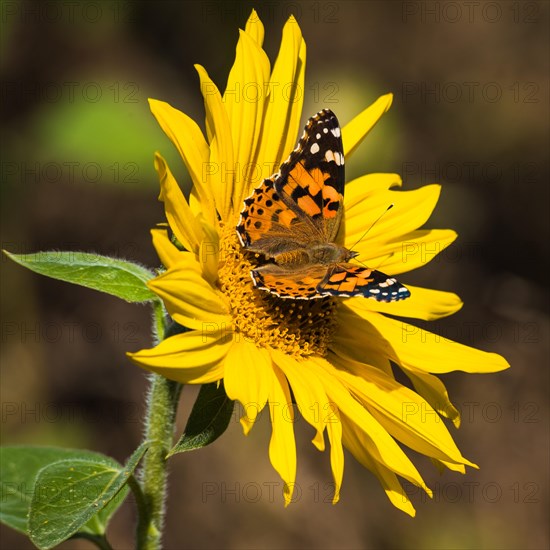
x,y
162,404
142,508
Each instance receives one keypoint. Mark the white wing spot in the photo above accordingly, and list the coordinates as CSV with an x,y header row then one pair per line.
x,y
314,148
318,136
325,130
329,155
336,132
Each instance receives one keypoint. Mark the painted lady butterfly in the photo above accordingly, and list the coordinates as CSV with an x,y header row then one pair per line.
x,y
293,218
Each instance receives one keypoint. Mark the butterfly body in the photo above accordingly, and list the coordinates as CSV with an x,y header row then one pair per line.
x,y
316,253
292,219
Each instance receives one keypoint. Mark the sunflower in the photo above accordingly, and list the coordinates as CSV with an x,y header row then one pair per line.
x,y
329,359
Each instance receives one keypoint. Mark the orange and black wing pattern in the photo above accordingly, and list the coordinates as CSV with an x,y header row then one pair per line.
x,y
311,182
302,203
298,285
355,280
318,281
268,226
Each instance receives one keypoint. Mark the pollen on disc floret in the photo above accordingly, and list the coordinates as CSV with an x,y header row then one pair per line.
x,y
297,327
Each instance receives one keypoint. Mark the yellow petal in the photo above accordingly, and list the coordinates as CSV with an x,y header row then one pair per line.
x,y
194,357
179,215
284,106
345,348
247,379
255,28
221,165
309,394
282,446
401,411
244,100
334,430
379,442
413,251
441,465
188,139
435,393
167,252
411,210
411,346
356,442
189,299
362,188
423,303
354,132
209,252
295,111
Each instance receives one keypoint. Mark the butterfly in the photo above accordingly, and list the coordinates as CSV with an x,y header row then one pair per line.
x,y
292,220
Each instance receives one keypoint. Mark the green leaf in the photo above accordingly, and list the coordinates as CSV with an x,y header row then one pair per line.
x,y
69,493
120,278
19,467
208,419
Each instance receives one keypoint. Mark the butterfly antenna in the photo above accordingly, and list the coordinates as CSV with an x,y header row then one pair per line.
x,y
372,225
380,264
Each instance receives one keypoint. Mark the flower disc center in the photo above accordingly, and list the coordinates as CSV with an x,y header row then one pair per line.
x,y
297,327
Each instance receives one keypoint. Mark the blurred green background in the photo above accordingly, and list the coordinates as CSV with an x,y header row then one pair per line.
x,y
470,81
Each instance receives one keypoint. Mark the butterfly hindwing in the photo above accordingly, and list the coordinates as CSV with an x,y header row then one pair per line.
x,y
290,284
317,282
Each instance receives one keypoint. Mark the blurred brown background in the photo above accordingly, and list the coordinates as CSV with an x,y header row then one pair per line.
x,y
470,81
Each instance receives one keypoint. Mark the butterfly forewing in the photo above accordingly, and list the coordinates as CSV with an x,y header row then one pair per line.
x,y
268,226
311,181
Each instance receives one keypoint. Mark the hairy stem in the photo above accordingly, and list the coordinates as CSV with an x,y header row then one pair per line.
x,y
162,404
